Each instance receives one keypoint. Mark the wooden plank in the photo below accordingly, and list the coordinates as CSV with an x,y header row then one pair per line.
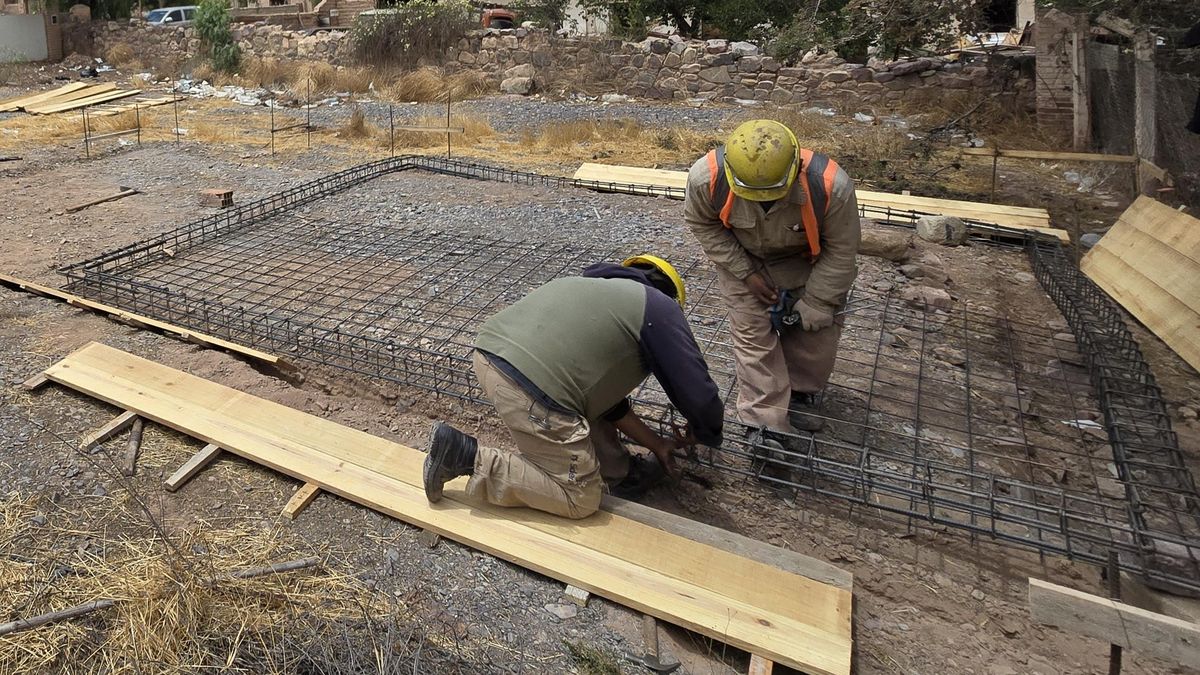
x,y
779,558
300,500
82,91
112,428
1052,156
53,107
1115,622
759,666
1081,119
34,383
15,103
784,617
1145,93
1018,217
130,106
1149,262
138,319
439,130
125,192
193,466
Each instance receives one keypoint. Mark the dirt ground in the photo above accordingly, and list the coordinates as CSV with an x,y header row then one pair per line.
x,y
926,601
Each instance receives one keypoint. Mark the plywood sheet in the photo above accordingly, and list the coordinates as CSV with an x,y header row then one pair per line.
x,y
1149,262
785,617
1019,217
54,106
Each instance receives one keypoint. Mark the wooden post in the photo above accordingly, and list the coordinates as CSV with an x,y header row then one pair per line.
x,y
1080,97
1145,130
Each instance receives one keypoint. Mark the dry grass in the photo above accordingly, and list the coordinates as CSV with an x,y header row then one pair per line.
x,y
119,54
267,72
203,72
175,611
420,86
357,126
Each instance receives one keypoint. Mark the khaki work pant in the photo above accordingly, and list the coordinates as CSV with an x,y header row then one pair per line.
x,y
770,366
561,461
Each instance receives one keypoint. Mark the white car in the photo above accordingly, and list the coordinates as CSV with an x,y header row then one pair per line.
x,y
171,16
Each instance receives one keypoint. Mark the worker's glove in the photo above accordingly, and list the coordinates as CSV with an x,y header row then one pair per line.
x,y
812,318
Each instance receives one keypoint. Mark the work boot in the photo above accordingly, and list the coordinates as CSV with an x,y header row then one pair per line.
x,y
771,459
645,473
451,454
802,412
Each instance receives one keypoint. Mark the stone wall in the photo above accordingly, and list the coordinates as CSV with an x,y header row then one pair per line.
x,y
522,60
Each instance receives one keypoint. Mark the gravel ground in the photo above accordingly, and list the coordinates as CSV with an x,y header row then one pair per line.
x,y
925,602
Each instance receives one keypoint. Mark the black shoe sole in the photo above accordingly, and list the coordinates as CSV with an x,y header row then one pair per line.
x,y
433,475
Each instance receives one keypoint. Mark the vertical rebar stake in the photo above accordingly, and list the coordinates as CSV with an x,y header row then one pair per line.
x,y
308,112
175,104
87,151
137,116
271,102
391,130
447,123
1114,592
995,163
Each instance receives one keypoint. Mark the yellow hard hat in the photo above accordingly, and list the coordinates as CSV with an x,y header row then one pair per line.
x,y
662,266
762,158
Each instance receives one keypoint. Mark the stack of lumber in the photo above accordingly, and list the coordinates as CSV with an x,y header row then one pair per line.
x,y
67,97
623,178
126,106
774,614
1149,262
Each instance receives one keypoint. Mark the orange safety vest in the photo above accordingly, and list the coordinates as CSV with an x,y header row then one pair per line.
x,y
819,172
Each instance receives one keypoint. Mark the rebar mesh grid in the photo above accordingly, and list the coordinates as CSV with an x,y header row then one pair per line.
x,y
952,417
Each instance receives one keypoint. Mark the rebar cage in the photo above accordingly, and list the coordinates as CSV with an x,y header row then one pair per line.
x,y
945,415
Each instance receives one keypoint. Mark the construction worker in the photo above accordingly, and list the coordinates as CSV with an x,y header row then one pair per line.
x,y
558,366
781,225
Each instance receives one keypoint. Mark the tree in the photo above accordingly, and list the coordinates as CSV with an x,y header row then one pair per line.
x,y
1165,16
212,26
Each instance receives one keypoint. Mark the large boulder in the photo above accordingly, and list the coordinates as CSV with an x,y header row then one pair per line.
x,y
892,246
523,70
518,85
744,49
945,230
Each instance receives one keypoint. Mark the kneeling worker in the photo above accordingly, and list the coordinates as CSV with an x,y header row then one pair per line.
x,y
559,365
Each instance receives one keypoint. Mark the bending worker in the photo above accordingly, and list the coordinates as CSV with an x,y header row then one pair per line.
x,y
781,225
559,365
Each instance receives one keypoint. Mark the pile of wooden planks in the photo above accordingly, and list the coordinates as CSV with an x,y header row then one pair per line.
x,y
67,97
1016,217
774,614
1149,262
126,106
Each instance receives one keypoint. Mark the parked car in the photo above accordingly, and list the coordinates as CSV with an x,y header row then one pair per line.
x,y
171,16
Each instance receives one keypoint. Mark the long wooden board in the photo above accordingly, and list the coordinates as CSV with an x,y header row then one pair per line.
x,y
138,319
1115,623
1052,156
18,102
55,106
1018,217
750,605
1149,262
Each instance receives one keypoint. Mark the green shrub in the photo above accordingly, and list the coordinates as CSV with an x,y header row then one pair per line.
x,y
212,26
414,30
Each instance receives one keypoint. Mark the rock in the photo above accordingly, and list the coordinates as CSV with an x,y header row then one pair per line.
x,y
716,46
912,271
99,491
927,297
744,49
1009,626
1089,240
39,519
1024,278
716,75
946,230
518,85
836,76
883,286
955,357
523,70
1188,413
561,610
614,98
978,595
885,244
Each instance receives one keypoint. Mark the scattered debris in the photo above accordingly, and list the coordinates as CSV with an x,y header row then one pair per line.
x,y
563,611
123,192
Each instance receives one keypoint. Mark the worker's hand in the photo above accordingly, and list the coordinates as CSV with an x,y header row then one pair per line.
x,y
685,437
762,288
664,450
812,318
